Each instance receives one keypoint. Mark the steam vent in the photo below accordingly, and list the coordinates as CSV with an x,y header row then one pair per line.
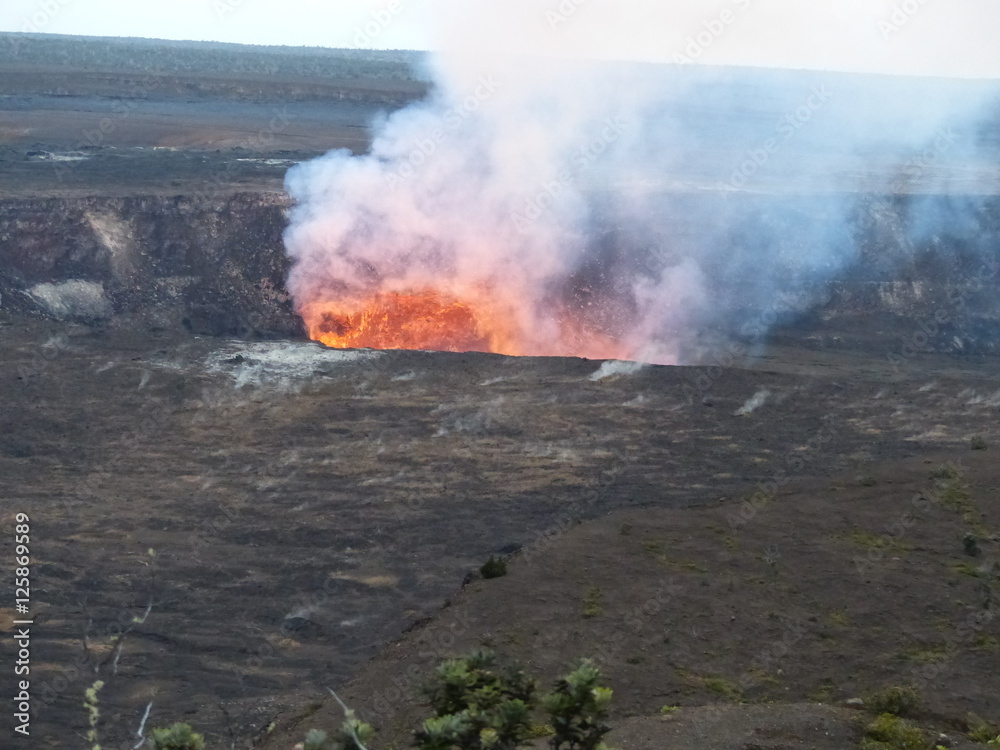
x,y
295,339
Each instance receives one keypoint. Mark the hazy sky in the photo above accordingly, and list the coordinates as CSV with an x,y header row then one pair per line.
x,y
942,37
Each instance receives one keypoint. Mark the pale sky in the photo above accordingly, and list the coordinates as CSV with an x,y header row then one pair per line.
x,y
917,37
320,23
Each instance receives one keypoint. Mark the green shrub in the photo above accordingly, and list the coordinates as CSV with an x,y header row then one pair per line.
x,y
538,731
895,699
353,735
477,707
888,732
970,544
316,739
176,737
978,443
578,707
946,472
724,688
495,567
978,729
592,602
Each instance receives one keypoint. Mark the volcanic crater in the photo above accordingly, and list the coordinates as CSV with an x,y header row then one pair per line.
x,y
263,516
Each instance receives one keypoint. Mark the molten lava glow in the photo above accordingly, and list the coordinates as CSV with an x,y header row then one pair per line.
x,y
411,320
437,320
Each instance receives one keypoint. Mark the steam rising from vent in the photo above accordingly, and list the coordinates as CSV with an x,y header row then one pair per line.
x,y
545,200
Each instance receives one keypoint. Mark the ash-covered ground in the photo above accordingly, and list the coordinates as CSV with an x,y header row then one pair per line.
x,y
263,515
306,506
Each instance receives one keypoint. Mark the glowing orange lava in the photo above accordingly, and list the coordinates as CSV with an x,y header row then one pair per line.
x,y
411,320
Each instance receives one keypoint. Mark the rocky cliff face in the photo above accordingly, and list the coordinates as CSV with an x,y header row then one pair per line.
x,y
214,267
927,274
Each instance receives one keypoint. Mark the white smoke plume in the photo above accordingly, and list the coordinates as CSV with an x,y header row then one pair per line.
x,y
600,196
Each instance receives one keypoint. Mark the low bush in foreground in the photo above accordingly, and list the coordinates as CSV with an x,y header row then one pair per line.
x,y
176,737
495,567
477,706
889,732
895,699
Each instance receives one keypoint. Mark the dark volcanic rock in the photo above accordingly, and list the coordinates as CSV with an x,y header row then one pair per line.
x,y
214,266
